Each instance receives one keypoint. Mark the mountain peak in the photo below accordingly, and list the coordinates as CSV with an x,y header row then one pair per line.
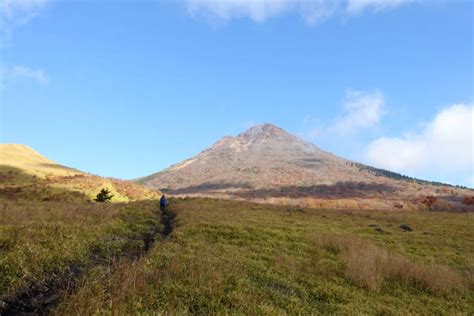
x,y
265,130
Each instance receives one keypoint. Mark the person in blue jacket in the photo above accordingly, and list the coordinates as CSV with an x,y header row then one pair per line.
x,y
163,203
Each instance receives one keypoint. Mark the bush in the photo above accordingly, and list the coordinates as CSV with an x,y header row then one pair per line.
x,y
104,196
406,227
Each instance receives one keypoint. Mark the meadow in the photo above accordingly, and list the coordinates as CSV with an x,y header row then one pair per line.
x,y
46,245
230,257
52,231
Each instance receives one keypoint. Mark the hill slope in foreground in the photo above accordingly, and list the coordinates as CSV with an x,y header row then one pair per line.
x,y
25,173
268,164
232,257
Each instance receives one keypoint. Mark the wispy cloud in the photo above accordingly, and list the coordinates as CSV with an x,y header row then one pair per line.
x,y
445,146
357,6
19,73
312,11
361,110
37,75
14,13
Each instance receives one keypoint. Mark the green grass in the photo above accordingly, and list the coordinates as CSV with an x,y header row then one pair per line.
x,y
228,257
41,241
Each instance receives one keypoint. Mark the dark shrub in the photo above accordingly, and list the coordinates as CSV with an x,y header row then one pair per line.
x,y
104,196
406,227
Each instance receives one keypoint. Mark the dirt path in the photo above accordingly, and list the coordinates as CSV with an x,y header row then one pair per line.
x,y
168,220
41,299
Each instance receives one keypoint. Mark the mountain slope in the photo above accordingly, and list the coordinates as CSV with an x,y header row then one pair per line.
x,y
268,163
30,161
26,174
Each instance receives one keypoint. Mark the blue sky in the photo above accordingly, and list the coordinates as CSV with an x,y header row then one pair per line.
x,y
124,88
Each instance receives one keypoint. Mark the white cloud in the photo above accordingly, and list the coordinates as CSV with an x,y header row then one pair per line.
x,y
37,75
362,110
260,10
14,13
14,7
445,147
312,11
357,6
19,72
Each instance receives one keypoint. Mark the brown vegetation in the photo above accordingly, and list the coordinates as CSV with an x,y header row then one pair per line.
x,y
468,200
17,184
429,201
335,191
370,266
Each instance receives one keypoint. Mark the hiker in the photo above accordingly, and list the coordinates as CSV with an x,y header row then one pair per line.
x,y
163,203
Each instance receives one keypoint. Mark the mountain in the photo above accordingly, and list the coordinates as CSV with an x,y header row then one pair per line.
x,y
267,163
26,174
27,159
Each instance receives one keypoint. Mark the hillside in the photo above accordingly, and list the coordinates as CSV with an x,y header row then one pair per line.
x,y
25,173
51,231
239,258
268,164
31,162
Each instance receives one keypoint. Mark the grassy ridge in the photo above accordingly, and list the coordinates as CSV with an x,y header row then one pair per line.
x,y
234,257
31,162
15,183
26,174
41,242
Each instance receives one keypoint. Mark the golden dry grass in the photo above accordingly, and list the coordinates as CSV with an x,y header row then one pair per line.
x,y
25,174
31,162
370,266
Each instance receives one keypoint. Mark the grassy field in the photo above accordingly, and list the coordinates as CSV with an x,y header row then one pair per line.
x,y
51,230
227,257
44,244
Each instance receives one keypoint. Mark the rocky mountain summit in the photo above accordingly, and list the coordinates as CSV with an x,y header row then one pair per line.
x,y
266,162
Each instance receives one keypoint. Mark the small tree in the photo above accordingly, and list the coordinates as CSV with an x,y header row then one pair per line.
x,y
104,196
429,201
